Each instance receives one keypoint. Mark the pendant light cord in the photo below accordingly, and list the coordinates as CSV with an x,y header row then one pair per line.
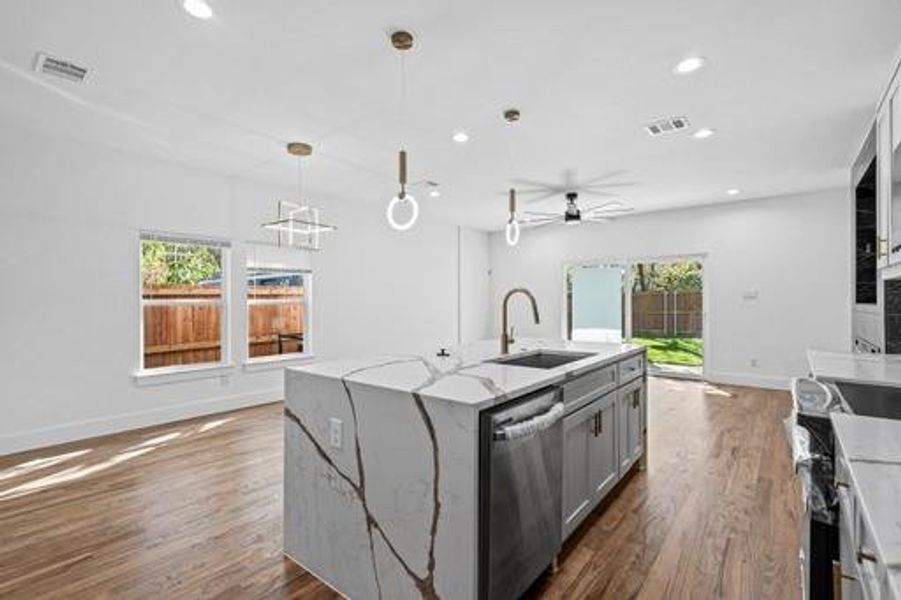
x,y
300,180
403,98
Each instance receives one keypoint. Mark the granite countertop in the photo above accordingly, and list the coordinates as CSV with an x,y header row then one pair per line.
x,y
877,369
464,377
872,449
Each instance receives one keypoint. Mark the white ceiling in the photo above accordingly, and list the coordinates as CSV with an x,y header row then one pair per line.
x,y
789,88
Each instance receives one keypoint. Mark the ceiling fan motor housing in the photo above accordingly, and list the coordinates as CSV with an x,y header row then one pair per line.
x,y
572,215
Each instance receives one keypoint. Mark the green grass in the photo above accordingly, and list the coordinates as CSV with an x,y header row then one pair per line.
x,y
674,351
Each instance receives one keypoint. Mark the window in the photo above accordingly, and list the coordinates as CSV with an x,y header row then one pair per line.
x,y
183,302
277,312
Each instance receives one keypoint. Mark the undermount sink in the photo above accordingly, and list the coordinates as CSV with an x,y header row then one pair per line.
x,y
542,359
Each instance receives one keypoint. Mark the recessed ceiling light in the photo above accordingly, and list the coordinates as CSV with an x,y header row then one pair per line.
x,y
733,192
703,133
689,65
434,194
461,137
197,8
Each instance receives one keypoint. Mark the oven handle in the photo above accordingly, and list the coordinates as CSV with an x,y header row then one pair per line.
x,y
530,426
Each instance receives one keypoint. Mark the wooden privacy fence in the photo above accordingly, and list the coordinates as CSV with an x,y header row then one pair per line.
x,y
658,314
183,324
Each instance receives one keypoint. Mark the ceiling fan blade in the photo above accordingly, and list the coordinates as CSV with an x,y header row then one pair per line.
x,y
607,186
541,214
537,224
594,194
603,176
544,196
606,214
613,205
535,184
597,219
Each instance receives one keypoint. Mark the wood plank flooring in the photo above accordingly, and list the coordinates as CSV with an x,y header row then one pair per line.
x,y
193,509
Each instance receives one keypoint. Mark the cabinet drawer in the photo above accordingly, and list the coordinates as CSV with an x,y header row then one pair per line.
x,y
585,388
631,368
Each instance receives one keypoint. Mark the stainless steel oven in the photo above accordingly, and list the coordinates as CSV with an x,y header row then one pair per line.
x,y
520,483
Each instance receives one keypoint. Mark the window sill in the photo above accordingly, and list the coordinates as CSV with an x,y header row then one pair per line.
x,y
270,363
177,374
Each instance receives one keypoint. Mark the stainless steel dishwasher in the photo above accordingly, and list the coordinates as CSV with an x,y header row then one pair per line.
x,y
520,483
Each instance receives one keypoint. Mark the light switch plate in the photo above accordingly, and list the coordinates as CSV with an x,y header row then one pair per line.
x,y
335,436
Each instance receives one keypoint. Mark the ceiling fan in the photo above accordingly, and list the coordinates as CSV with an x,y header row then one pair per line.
x,y
573,215
571,189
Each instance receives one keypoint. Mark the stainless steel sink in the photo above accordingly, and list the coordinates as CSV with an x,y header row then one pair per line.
x,y
871,400
542,359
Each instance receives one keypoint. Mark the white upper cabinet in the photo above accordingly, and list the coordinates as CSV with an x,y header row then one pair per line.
x,y
883,184
893,177
895,101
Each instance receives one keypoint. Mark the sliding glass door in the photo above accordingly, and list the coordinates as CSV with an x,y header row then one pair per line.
x,y
656,303
595,307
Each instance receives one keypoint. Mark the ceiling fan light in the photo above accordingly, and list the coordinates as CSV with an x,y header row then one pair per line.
x,y
511,232
392,219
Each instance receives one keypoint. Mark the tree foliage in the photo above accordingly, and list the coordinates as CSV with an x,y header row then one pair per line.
x,y
167,263
681,276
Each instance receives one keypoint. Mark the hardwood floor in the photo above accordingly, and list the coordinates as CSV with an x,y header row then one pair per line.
x,y
193,509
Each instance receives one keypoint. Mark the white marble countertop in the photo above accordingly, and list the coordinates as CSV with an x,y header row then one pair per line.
x,y
872,449
877,369
464,376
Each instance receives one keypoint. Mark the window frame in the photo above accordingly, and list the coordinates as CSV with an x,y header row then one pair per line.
x,y
306,304
224,302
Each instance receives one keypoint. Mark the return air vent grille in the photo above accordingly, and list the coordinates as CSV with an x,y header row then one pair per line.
x,y
58,67
670,125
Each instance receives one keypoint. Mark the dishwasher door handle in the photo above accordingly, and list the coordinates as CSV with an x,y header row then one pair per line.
x,y
530,426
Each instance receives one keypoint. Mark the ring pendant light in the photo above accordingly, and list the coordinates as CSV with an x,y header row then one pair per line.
x,y
511,231
402,42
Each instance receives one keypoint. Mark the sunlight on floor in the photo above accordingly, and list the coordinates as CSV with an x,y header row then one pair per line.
x,y
161,439
214,424
712,390
40,463
70,474
84,469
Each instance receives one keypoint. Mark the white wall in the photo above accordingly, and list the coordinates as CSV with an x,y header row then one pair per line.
x,y
794,251
70,214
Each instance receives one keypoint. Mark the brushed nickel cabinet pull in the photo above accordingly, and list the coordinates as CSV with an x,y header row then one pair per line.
x,y
836,580
865,555
842,484
600,421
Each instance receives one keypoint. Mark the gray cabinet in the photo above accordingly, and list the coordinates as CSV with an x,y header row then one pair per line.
x,y
603,471
630,404
590,452
577,446
603,435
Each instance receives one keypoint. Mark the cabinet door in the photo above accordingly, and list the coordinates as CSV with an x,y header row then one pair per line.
x,y
883,183
577,443
603,462
895,100
631,424
894,178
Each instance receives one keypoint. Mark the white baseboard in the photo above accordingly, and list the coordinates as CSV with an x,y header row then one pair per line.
x,y
770,382
80,430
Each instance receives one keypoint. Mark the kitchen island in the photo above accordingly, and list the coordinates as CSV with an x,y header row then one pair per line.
x,y
382,458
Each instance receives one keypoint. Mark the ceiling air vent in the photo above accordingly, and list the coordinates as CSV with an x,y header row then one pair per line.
x,y
58,67
670,125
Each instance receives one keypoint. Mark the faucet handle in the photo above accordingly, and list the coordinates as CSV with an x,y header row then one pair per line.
x,y
510,338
